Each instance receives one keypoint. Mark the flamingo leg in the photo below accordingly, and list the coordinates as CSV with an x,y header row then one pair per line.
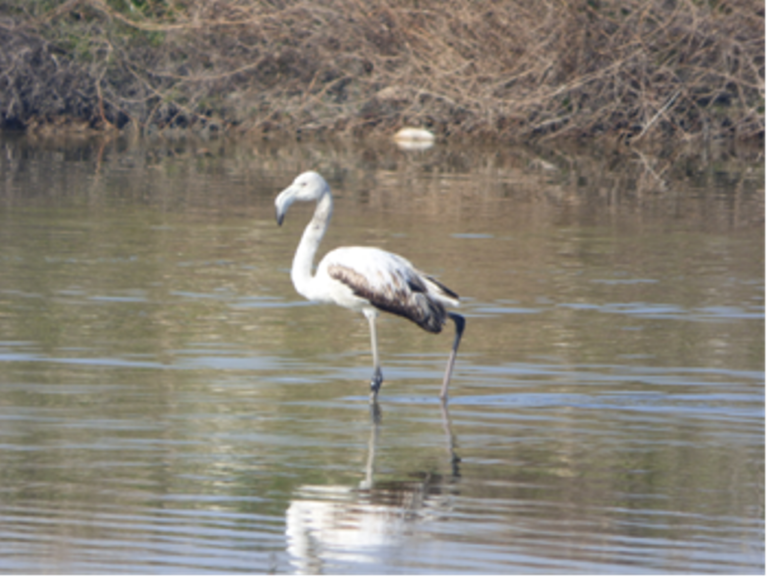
x,y
459,321
377,378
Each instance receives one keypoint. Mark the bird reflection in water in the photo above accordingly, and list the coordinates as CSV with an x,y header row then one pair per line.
x,y
332,526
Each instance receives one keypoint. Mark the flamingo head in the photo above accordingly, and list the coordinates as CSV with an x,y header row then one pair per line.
x,y
308,186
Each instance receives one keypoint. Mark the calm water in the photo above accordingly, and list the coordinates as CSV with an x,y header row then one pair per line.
x,y
169,404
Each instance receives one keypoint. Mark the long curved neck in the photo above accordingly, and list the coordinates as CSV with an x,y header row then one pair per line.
x,y
301,271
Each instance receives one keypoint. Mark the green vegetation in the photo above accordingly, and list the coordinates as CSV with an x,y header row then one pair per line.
x,y
517,70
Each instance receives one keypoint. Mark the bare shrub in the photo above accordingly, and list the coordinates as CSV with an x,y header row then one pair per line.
x,y
511,70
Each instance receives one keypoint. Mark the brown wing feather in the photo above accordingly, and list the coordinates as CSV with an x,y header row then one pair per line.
x,y
398,294
442,287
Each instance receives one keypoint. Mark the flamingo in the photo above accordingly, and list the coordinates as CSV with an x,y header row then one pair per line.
x,y
365,279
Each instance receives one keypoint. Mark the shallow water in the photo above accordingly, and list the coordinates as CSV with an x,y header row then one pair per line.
x,y
169,404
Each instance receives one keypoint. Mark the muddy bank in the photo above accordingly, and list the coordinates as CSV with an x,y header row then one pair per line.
x,y
517,71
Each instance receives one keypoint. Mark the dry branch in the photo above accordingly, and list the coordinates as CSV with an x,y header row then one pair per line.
x,y
513,70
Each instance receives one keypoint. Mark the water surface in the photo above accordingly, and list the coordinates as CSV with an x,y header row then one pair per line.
x,y
169,404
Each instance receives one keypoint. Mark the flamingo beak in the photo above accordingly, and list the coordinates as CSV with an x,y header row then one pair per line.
x,y
282,202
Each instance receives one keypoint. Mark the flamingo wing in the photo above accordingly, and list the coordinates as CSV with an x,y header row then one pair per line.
x,y
390,283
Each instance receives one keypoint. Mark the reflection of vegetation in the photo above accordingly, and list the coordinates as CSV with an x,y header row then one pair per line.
x,y
512,70
600,207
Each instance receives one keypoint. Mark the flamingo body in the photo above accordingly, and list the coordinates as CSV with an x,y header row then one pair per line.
x,y
365,279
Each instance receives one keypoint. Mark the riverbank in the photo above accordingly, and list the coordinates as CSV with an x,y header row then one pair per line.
x,y
514,72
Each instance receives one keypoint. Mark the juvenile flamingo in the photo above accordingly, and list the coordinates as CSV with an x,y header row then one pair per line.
x,y
365,279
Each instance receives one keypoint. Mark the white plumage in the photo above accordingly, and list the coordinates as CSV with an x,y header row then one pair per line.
x,y
365,279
